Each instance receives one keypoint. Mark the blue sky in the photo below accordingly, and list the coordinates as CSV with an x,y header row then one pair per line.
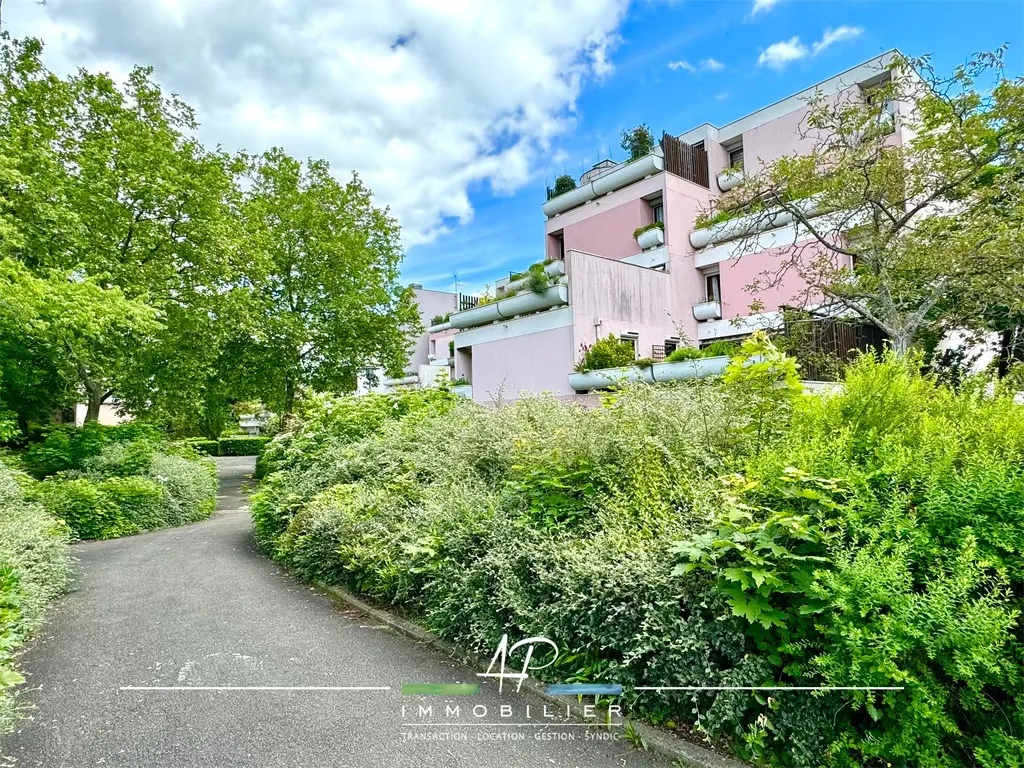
x,y
506,231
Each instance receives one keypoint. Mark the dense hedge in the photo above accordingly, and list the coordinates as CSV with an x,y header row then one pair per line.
x,y
34,569
229,446
116,481
242,446
734,534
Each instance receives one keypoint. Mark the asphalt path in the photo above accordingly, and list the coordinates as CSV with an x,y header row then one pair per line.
x,y
256,669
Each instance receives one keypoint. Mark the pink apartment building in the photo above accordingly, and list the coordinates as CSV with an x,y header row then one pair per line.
x,y
664,288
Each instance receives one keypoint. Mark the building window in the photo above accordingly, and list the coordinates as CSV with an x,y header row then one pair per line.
x,y
736,157
631,339
658,210
713,287
671,345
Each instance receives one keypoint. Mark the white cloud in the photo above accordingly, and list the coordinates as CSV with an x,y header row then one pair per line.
x,y
778,55
721,96
835,36
708,65
762,5
423,99
683,65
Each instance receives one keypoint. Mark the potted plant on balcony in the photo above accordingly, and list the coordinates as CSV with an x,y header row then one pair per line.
x,y
650,235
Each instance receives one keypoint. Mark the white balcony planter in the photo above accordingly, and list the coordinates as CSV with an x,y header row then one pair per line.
x,y
439,327
749,224
402,382
441,362
729,179
651,238
463,390
707,310
623,176
658,373
652,259
504,309
554,269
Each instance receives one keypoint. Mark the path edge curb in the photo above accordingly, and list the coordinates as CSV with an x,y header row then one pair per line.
x,y
663,744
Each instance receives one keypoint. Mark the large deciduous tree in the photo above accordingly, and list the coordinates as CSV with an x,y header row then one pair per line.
x,y
324,277
918,200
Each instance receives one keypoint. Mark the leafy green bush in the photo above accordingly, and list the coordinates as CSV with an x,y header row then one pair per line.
x,y
34,569
190,488
732,533
67,447
564,183
720,348
609,352
242,446
683,353
203,446
140,500
82,504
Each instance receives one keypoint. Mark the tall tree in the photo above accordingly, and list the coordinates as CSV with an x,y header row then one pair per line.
x,y
926,229
324,278
117,188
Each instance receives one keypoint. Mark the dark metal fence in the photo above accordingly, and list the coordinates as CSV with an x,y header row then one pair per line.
x,y
467,302
824,346
657,352
685,160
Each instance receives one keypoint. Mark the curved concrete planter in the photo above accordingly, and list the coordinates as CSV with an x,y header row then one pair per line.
x,y
554,269
402,382
523,304
729,179
749,224
439,327
659,372
707,310
622,176
463,390
651,238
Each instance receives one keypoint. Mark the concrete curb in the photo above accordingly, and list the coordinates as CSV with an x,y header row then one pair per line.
x,y
680,752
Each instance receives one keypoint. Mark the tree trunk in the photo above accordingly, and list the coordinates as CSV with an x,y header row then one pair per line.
x,y
96,396
289,396
901,342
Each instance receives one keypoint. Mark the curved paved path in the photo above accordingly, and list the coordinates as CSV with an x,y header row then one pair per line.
x,y
200,606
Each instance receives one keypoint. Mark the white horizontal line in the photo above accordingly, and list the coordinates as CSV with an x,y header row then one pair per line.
x,y
495,725
768,688
255,688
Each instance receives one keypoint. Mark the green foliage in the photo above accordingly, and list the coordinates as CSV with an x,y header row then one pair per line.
x,y
203,446
34,569
647,227
683,353
766,385
609,352
241,446
86,508
564,183
720,348
638,142
68,447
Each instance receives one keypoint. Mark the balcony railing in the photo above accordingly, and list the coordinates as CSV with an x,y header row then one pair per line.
x,y
685,160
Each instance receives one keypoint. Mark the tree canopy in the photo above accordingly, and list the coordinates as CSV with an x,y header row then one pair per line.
x,y
171,259
908,198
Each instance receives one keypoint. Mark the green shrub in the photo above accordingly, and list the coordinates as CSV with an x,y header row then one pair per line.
x,y
120,460
609,352
83,505
564,183
683,353
202,446
190,488
241,446
34,569
67,447
139,499
729,533
720,348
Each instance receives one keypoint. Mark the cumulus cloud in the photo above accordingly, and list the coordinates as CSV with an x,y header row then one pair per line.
x,y
424,100
762,5
836,35
709,65
780,54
